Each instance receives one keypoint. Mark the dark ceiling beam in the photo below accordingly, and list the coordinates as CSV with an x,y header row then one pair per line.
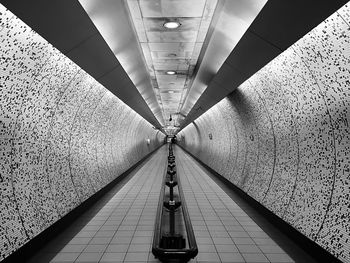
x,y
278,25
67,26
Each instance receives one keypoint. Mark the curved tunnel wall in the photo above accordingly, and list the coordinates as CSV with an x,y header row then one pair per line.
x,y
63,136
283,136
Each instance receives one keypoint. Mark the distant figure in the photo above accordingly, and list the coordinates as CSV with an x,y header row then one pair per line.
x,y
173,140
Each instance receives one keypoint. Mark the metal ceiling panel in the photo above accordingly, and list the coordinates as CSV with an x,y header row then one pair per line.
x,y
228,78
174,8
278,25
231,20
66,25
167,49
112,20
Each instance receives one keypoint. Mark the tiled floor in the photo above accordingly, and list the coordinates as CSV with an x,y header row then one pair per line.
x,y
224,232
119,228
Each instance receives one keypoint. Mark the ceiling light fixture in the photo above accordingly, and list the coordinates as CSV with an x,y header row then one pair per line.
x,y
171,24
171,72
170,91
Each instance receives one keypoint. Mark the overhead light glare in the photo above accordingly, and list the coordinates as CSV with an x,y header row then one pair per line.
x,y
171,72
171,24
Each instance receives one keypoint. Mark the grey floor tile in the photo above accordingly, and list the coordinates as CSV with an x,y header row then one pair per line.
x,y
280,258
65,257
89,257
112,257
231,257
255,258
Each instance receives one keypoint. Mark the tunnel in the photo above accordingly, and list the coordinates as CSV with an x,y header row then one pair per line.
x,y
225,121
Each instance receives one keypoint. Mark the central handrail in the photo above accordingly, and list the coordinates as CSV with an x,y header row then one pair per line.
x,y
183,254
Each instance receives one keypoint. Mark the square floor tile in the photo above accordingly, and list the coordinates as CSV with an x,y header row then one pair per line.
x,y
272,249
104,233
279,258
248,248
100,240
136,256
139,248
222,241
89,257
121,240
65,257
206,247
231,257
208,257
80,240
112,257
70,248
255,258
95,248
117,248
243,240
204,240
141,240
226,248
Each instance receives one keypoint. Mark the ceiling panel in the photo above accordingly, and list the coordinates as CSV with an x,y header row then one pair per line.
x,y
68,27
167,49
171,46
278,25
173,8
180,36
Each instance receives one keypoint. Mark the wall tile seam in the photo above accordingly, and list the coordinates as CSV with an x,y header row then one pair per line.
x,y
345,21
98,103
122,138
274,140
47,139
98,120
12,151
237,147
240,113
50,128
228,132
108,136
127,134
103,138
13,17
115,123
334,142
134,149
107,152
70,138
224,203
283,216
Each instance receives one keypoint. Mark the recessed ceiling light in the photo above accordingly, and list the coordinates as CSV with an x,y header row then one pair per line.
x,y
171,72
170,91
171,25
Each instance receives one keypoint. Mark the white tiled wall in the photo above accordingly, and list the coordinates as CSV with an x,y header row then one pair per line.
x,y
288,127
63,136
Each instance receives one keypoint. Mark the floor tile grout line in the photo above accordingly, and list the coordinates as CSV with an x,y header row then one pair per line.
x,y
237,221
154,177
183,168
244,228
220,197
130,181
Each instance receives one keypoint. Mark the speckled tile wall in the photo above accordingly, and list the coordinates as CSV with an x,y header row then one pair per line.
x,y
288,127
63,136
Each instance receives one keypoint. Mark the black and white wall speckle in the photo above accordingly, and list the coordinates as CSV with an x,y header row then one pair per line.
x,y
63,136
288,129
